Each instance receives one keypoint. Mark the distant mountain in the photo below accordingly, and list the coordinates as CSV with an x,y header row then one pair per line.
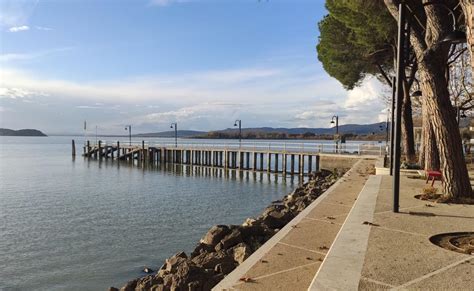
x,y
21,132
346,128
181,133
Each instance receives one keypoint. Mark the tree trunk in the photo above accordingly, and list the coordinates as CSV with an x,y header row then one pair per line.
x,y
407,128
429,157
445,128
432,56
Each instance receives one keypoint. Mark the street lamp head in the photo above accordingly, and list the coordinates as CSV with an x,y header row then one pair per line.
x,y
332,121
455,37
235,124
417,93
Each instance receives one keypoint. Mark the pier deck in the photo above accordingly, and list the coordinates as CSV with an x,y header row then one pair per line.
x,y
286,158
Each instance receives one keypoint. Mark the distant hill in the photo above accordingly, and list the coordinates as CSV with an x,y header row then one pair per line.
x,y
21,132
181,133
346,128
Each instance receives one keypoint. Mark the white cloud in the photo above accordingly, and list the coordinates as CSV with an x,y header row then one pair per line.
x,y
19,28
286,97
15,13
13,57
15,93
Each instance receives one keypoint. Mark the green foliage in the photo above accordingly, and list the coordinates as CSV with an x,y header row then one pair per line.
x,y
355,37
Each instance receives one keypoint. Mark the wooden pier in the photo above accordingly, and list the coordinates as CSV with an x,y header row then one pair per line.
x,y
284,161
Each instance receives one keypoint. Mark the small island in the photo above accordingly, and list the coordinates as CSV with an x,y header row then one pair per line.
x,y
20,132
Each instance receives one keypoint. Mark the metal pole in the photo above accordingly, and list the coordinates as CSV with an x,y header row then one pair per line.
x,y
392,123
176,134
400,71
130,135
240,132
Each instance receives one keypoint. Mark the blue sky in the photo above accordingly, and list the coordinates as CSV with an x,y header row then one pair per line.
x,y
202,63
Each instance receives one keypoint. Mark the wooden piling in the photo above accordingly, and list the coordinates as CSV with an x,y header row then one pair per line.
x,y
73,148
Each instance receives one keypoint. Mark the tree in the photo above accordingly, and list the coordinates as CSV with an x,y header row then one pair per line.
x,y
432,24
358,39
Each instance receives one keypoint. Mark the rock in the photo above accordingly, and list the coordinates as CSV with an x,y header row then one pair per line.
x,y
162,273
130,286
215,234
160,287
277,218
225,267
210,260
113,289
194,286
241,253
148,270
201,248
174,261
231,239
146,283
248,222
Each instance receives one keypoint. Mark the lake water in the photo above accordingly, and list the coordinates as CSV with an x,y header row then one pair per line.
x,y
88,225
84,225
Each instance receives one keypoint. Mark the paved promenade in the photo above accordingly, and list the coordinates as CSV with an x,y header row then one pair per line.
x,y
292,257
399,253
349,239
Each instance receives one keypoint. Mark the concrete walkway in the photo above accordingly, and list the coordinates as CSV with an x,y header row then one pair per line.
x,y
399,253
292,257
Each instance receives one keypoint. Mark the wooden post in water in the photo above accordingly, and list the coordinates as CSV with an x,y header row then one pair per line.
x,y
247,166
99,150
269,162
301,165
261,161
284,164
276,163
292,161
254,161
317,163
73,148
310,164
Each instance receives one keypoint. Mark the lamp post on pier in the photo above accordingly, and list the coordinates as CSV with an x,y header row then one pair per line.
x,y
335,119
175,126
129,128
240,130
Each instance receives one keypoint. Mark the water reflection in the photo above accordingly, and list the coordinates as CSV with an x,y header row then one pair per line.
x,y
201,171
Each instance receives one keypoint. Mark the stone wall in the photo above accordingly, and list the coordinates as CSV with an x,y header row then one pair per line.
x,y
331,162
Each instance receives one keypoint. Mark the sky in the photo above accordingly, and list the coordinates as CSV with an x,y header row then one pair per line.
x,y
148,63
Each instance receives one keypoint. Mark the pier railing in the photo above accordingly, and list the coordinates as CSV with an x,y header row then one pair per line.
x,y
275,157
263,146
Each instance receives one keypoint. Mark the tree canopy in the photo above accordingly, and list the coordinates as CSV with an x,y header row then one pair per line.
x,y
356,39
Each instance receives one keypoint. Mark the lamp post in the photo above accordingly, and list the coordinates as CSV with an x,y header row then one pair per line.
x,y
240,130
129,128
175,126
335,119
403,45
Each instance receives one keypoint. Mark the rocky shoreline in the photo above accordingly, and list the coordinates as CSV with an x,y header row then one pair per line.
x,y
224,247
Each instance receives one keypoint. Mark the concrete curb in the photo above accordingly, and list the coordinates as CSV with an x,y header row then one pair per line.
x,y
231,279
342,267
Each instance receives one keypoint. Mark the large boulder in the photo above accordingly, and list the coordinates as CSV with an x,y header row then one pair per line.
x,y
215,234
231,239
210,260
146,283
173,262
277,219
130,286
241,252
201,248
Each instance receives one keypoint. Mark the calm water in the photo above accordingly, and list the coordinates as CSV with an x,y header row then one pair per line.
x,y
84,225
